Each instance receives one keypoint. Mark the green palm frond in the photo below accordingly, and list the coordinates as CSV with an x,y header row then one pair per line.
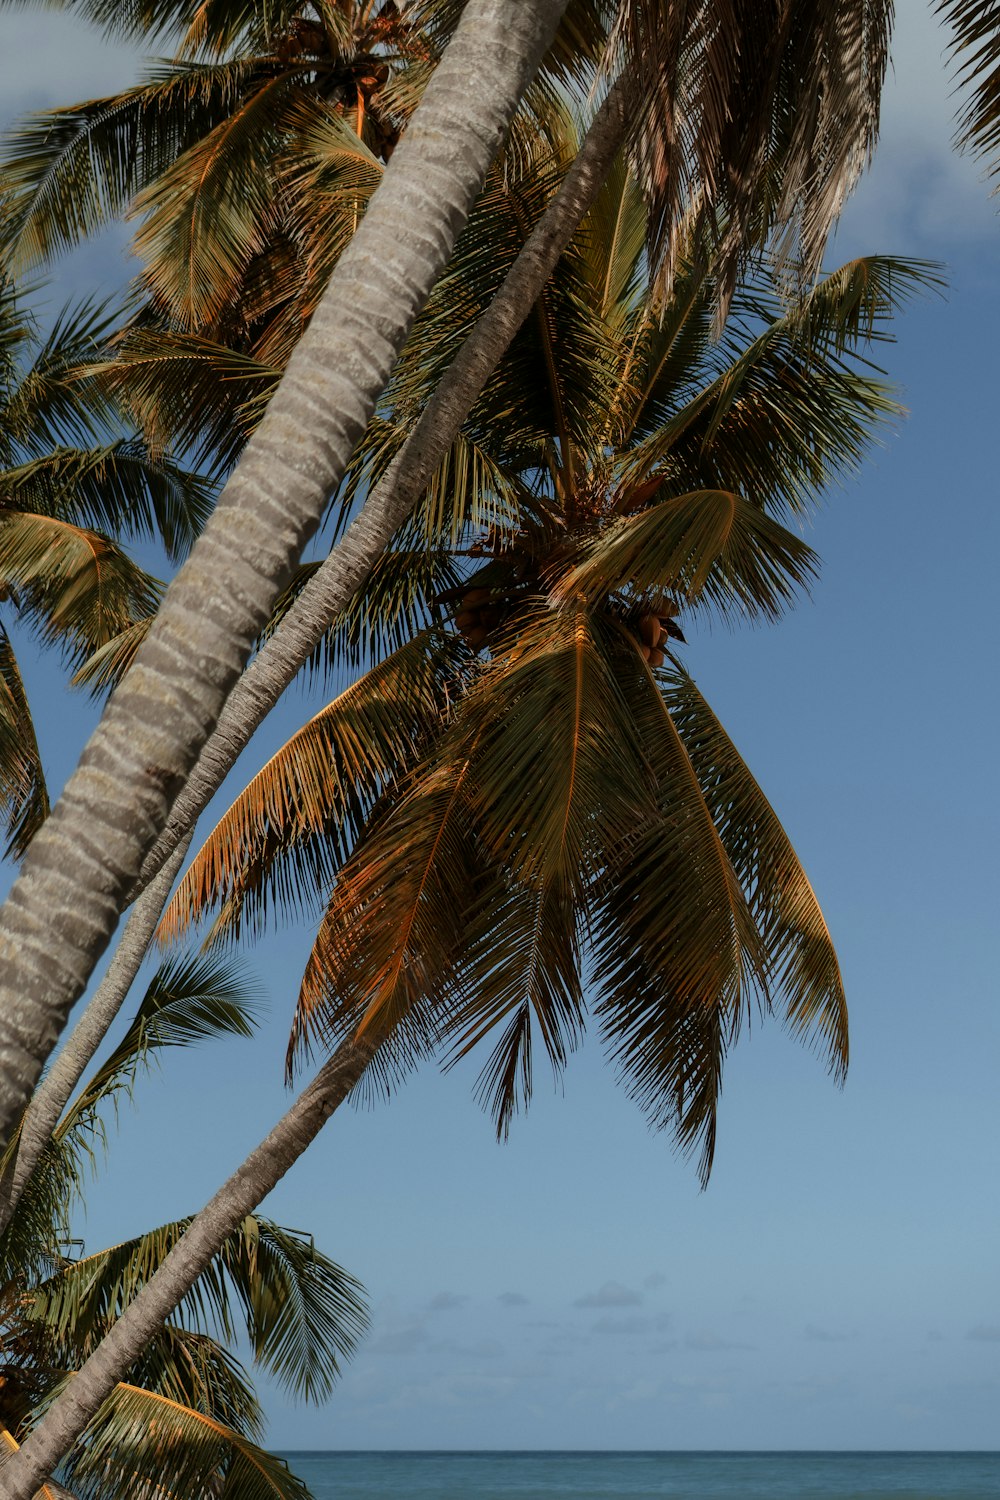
x,y
141,1443
803,973
194,1370
70,171
78,586
208,212
46,405
188,1000
24,798
710,547
106,667
794,405
302,1313
116,488
192,392
284,836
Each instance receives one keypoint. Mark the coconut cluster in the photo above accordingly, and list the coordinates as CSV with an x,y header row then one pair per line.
x,y
654,629
479,612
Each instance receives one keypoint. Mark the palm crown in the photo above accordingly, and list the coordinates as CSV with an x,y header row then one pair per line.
x,y
527,811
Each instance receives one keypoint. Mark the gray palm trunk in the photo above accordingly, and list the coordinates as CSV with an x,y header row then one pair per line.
x,y
64,906
261,686
327,593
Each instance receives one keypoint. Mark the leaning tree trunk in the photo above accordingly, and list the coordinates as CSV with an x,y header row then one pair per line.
x,y
70,1414
265,1166
330,589
76,877
55,1090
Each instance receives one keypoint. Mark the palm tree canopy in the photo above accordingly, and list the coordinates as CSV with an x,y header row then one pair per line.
x,y
569,829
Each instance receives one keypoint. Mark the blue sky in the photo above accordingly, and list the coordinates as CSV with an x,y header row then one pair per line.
x,y
836,1286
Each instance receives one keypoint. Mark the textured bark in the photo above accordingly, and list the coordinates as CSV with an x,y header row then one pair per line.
x,y
54,1092
263,1168
351,561
327,593
80,868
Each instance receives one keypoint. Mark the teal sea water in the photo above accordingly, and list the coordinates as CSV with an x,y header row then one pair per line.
x,y
641,1476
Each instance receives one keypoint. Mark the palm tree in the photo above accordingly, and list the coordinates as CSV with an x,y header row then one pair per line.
x,y
186,1419
338,368
72,485
526,811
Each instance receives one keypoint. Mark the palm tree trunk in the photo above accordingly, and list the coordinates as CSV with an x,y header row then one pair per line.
x,y
327,593
67,1417
76,877
54,1092
347,567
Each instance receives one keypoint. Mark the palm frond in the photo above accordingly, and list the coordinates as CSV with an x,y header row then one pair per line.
x,y
106,667
208,212
975,49
557,762
302,1313
79,587
521,970
711,547
141,1443
117,488
24,798
763,113
679,960
46,405
282,839
70,171
803,973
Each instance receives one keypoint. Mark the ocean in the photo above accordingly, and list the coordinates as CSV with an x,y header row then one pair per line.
x,y
642,1476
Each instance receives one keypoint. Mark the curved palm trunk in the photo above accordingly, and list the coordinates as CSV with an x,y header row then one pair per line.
x,y
54,1092
76,877
263,1168
349,564
346,568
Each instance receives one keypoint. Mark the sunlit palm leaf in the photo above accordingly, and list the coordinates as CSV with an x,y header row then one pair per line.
x,y
49,1491
393,930
109,663
142,1444
115,488
80,587
70,171
281,841
210,211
